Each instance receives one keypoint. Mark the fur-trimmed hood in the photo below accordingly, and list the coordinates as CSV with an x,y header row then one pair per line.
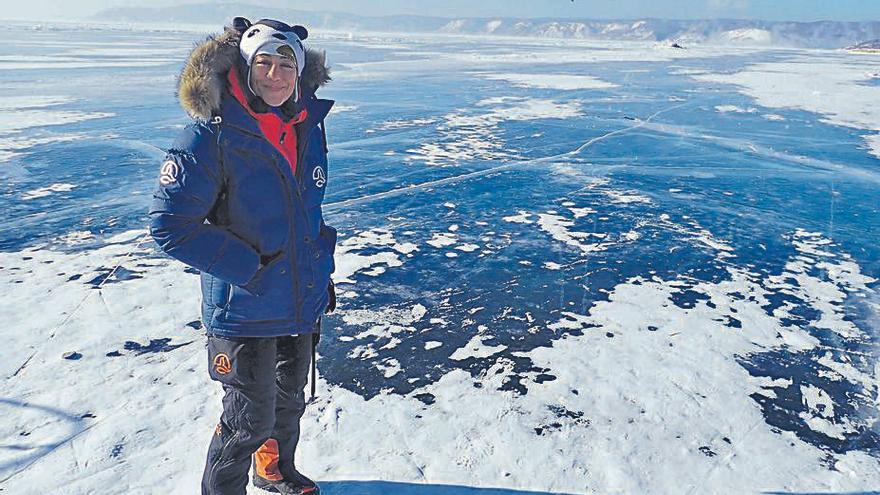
x,y
202,81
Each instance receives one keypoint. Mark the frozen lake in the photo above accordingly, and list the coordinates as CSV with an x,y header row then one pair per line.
x,y
568,267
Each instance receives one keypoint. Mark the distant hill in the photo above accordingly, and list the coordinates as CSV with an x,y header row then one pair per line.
x,y
821,34
872,46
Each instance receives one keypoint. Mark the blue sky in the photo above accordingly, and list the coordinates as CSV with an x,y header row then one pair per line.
x,y
799,10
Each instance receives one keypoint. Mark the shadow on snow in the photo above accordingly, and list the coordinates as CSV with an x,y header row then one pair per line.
x,y
398,488
822,493
31,452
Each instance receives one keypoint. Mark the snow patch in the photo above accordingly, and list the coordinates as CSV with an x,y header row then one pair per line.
x,y
476,348
830,85
734,109
349,260
47,191
442,239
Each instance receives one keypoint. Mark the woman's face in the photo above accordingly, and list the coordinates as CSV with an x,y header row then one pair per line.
x,y
273,78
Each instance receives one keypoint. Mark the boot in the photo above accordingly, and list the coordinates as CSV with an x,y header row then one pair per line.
x,y
298,484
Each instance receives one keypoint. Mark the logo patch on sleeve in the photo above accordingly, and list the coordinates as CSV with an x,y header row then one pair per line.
x,y
319,177
169,172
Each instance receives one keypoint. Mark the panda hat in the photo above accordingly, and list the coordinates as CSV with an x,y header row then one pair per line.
x,y
271,37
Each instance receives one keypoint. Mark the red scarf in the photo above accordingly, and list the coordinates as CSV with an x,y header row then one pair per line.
x,y
281,134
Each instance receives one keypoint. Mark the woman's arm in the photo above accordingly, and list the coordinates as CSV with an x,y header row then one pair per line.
x,y
190,182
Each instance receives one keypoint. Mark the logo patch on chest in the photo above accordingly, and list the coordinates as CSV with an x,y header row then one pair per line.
x,y
319,177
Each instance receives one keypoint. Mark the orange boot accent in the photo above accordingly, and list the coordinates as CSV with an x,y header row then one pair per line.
x,y
266,459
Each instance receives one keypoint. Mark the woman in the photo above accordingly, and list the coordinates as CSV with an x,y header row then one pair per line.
x,y
239,199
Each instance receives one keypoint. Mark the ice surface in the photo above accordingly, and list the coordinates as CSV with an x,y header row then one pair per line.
x,y
873,141
19,114
8,103
17,120
562,267
58,63
552,81
830,84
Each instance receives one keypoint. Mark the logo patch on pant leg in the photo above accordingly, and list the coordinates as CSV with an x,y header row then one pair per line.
x,y
222,364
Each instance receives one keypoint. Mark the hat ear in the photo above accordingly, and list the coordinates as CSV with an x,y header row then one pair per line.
x,y
301,32
241,24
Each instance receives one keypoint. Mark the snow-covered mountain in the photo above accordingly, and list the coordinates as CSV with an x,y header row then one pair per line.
x,y
822,34
872,46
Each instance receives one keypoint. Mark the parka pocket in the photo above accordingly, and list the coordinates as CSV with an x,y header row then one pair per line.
x,y
215,292
257,284
267,297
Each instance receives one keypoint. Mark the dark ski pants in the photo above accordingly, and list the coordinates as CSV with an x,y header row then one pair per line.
x,y
264,381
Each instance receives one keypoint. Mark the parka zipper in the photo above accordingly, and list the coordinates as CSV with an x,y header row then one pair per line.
x,y
302,147
289,201
301,153
292,232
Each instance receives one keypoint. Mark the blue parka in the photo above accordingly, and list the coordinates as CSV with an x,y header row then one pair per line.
x,y
229,204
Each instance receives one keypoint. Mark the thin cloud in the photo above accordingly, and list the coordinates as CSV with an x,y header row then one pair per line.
x,y
722,5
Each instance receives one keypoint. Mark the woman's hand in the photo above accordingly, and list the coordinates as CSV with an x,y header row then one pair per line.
x,y
331,303
255,284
